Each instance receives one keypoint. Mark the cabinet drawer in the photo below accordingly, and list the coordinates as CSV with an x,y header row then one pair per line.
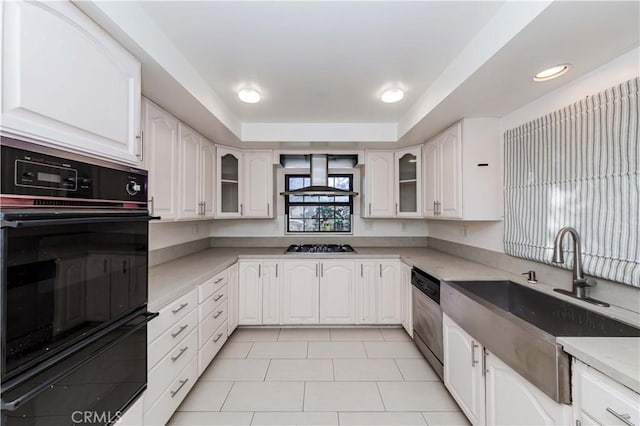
x,y
163,409
209,305
172,313
603,399
211,348
163,344
169,367
211,323
206,289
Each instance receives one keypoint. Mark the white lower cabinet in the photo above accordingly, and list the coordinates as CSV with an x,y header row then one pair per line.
x,y
512,400
490,392
337,292
599,400
271,293
367,288
389,292
250,293
232,321
407,299
161,411
463,375
301,292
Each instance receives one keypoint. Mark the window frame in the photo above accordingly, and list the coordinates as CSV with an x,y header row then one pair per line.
x,y
288,203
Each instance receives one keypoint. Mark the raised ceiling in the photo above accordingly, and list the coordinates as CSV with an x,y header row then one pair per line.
x,y
321,66
318,62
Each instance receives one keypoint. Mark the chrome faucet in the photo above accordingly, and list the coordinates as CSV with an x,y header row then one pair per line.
x,y
581,284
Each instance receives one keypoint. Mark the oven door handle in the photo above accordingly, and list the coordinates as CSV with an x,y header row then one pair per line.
x,y
16,403
73,221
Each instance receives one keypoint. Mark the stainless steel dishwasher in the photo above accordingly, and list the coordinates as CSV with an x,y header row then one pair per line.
x,y
427,318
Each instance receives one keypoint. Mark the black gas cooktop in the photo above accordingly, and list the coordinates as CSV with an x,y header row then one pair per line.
x,y
320,248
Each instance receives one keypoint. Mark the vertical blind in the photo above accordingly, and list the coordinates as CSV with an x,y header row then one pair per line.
x,y
580,167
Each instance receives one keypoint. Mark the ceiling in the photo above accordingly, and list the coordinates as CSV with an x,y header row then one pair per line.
x,y
321,66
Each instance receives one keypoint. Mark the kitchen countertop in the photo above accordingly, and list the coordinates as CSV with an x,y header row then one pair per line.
x,y
613,356
616,357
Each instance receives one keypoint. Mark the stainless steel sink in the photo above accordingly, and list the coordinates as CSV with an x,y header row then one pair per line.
x,y
521,325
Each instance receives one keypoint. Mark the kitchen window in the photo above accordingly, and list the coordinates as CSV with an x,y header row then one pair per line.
x,y
331,214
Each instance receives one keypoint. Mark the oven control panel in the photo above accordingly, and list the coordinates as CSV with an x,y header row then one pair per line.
x,y
27,171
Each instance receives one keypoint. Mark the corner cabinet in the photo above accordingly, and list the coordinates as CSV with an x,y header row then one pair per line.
x,y
393,184
83,94
490,392
463,173
244,183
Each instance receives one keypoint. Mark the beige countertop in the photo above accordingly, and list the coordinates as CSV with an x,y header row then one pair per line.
x,y
616,357
613,356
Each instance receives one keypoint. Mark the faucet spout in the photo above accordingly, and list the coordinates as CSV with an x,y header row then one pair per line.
x,y
558,255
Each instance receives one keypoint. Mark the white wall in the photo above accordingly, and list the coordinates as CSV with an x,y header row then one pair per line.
x,y
276,227
490,235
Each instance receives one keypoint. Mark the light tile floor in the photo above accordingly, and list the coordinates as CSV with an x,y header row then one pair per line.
x,y
313,376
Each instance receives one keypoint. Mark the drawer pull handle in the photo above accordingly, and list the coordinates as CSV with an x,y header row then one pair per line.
x,y
218,280
182,351
182,383
184,305
220,296
218,314
174,335
217,338
624,418
473,353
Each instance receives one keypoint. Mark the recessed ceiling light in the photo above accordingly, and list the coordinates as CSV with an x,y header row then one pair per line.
x,y
551,73
392,95
250,96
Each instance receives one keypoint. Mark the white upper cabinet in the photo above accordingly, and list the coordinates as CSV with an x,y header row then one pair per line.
x,y
66,82
257,200
337,292
161,159
189,171
244,183
408,178
378,189
462,172
229,191
207,178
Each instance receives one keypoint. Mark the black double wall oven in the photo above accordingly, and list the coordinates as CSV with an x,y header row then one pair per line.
x,y
73,296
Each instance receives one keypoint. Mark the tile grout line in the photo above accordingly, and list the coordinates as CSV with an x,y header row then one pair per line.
x,y
266,373
253,415
395,361
226,397
381,399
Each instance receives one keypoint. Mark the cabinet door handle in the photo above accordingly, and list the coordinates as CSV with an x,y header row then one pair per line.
x,y
322,269
316,270
485,354
624,417
182,351
220,296
268,210
241,210
140,139
369,209
380,270
218,280
217,314
396,208
260,270
184,305
435,212
204,208
474,362
151,205
362,269
182,383
276,270
183,328
217,338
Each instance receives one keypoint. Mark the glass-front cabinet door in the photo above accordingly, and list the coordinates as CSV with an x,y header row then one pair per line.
x,y
408,182
229,176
